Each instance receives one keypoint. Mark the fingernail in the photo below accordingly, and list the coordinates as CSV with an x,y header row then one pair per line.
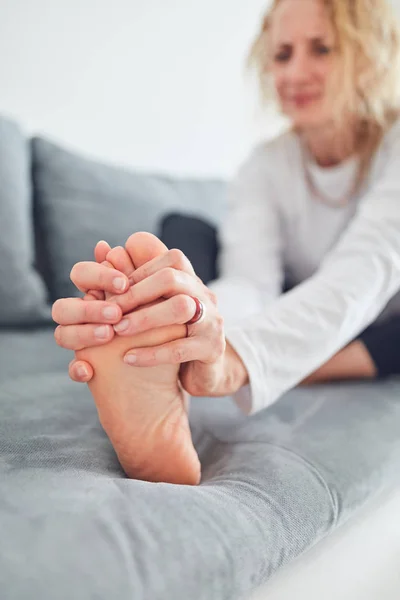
x,y
119,284
82,372
122,325
130,359
101,332
111,312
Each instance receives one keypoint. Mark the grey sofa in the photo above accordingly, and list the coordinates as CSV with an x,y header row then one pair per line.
x,y
72,524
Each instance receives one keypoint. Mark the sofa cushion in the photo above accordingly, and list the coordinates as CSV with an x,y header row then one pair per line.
x,y
80,201
22,291
273,485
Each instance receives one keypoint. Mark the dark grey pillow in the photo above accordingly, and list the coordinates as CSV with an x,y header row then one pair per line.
x,y
80,201
197,239
22,291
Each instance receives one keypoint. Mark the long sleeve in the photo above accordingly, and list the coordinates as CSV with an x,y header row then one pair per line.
x,y
250,260
305,327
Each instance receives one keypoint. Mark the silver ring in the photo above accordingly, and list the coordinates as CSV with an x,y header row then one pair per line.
x,y
199,314
202,314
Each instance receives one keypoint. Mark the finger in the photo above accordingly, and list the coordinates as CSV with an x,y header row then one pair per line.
x,y
92,276
80,371
163,284
174,258
119,258
78,337
176,352
101,250
175,311
76,311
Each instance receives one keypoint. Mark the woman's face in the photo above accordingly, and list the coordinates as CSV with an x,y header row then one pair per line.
x,y
303,59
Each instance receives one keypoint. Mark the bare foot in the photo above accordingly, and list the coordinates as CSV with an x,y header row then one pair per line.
x,y
143,410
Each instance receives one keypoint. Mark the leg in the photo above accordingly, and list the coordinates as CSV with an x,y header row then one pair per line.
x,y
352,362
143,410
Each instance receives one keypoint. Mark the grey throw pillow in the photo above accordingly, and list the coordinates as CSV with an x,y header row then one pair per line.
x,y
80,201
22,291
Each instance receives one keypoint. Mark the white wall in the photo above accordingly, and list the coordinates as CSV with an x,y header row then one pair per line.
x,y
150,83
156,84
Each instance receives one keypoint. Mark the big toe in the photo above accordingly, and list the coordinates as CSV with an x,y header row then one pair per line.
x,y
143,246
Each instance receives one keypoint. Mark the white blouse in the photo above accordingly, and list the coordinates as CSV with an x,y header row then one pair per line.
x,y
343,261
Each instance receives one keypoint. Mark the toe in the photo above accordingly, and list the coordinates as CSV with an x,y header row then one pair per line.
x,y
120,260
143,246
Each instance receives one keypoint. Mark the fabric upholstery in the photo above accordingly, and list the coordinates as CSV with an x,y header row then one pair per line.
x,y
22,291
80,201
73,526
197,239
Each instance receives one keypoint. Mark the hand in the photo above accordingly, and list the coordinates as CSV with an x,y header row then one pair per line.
x,y
82,321
116,258
208,365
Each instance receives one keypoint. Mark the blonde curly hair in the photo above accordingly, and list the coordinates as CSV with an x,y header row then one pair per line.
x,y
368,42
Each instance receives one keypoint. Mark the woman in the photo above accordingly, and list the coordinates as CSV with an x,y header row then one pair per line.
x,y
321,202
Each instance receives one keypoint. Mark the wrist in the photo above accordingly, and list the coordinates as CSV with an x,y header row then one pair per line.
x,y
235,372
223,377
